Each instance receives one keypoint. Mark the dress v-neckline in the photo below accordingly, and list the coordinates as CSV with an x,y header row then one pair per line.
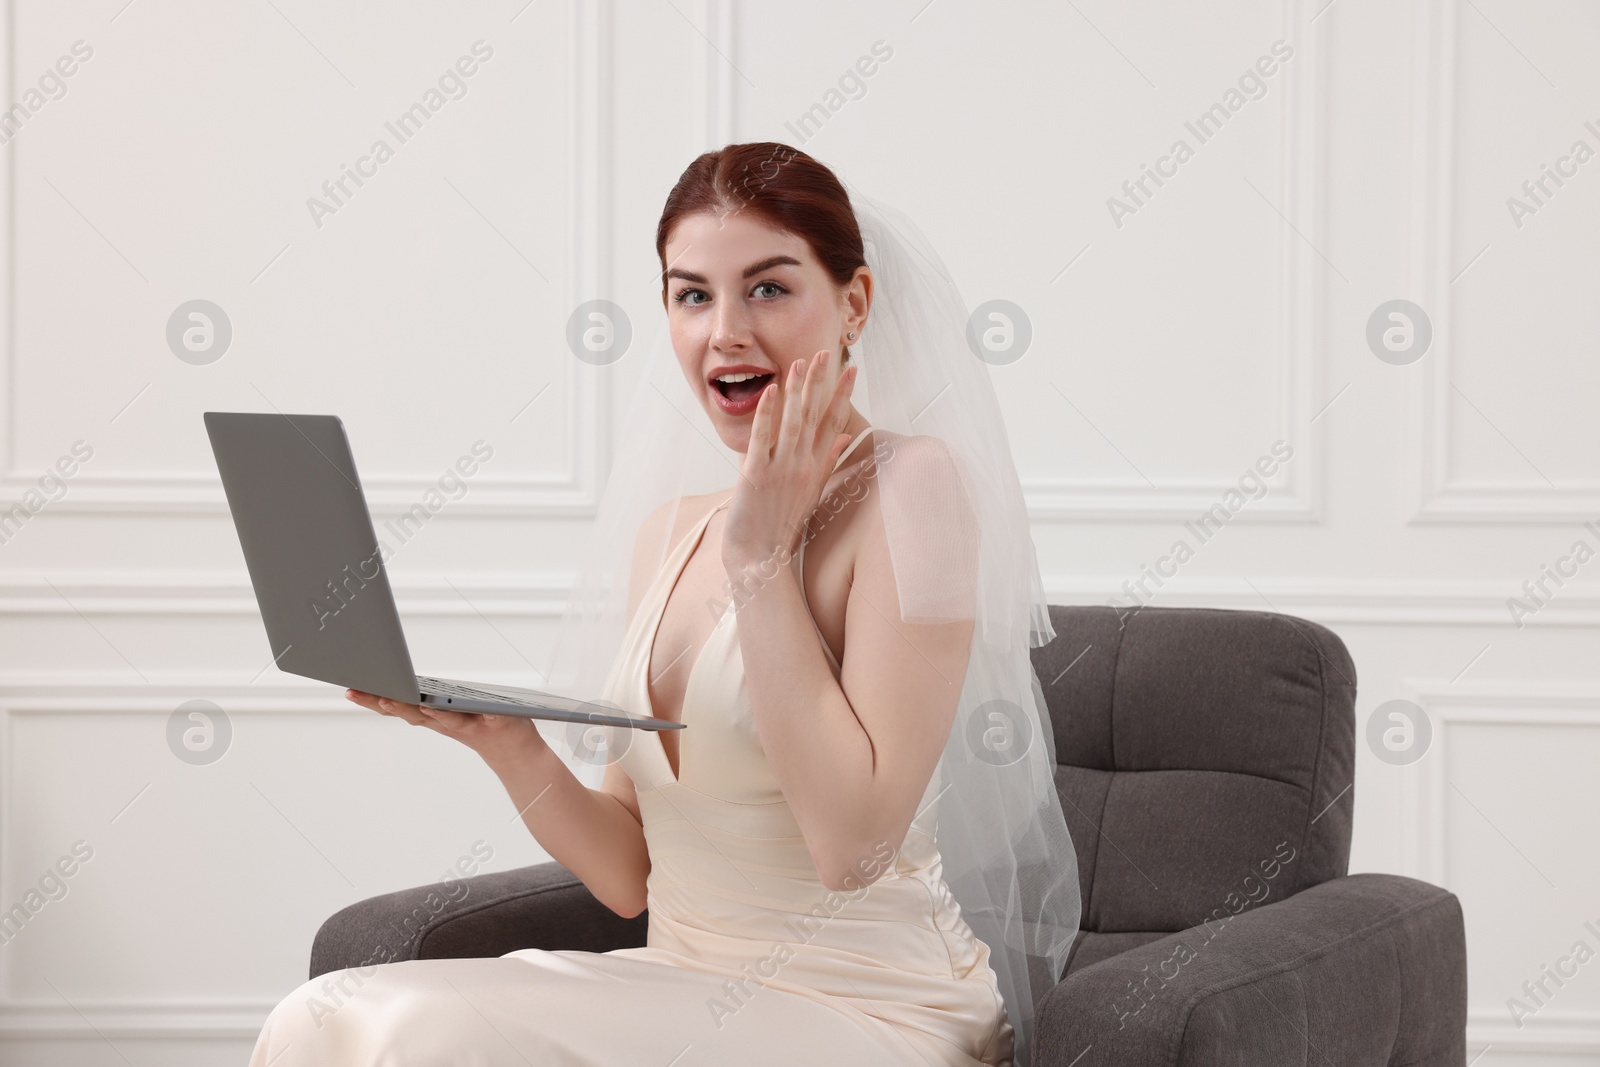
x,y
693,538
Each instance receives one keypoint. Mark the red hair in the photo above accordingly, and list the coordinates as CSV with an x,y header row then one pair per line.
x,y
781,186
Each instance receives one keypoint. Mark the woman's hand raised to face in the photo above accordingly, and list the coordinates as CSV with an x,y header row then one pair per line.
x,y
499,739
788,461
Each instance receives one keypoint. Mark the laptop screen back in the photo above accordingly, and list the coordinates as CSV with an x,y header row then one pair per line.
x,y
311,550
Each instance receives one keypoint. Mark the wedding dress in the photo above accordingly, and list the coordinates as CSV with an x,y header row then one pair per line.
x,y
749,958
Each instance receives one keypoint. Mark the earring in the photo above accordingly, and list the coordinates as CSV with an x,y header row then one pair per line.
x,y
852,335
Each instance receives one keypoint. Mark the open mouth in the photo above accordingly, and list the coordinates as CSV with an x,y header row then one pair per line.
x,y
737,391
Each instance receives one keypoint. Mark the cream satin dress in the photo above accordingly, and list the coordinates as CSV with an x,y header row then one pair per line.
x,y
749,958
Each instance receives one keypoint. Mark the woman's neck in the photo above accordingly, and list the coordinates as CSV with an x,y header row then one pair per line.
x,y
853,426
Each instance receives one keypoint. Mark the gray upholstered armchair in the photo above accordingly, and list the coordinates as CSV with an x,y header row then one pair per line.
x,y
1206,770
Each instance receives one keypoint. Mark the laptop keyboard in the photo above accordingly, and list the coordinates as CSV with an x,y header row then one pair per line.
x,y
450,689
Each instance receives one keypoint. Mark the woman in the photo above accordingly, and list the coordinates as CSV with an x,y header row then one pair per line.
x,y
871,612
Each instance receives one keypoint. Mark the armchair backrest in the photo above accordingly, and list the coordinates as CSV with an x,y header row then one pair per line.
x,y
1205,760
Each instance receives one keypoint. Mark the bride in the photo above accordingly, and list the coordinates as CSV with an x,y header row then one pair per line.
x,y
853,852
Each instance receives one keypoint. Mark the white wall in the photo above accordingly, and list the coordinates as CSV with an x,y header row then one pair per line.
x,y
1169,353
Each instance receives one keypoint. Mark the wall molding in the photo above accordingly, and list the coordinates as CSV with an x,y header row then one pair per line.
x,y
566,495
1368,602
717,78
1425,803
543,595
1433,495
1547,1035
1296,496
178,1023
186,1023
573,491
8,254
60,692
176,594
1475,704
179,1026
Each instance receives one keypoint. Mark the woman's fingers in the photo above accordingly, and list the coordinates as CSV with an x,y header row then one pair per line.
x,y
806,396
455,720
411,713
789,429
366,700
483,733
804,410
817,400
800,405
764,427
828,412
838,412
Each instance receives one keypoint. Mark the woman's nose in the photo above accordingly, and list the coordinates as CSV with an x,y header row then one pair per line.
x,y
730,327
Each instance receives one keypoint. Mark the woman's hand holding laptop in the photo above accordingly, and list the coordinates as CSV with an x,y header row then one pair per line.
x,y
502,740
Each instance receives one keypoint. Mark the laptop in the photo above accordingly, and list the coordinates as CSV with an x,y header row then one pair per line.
x,y
319,578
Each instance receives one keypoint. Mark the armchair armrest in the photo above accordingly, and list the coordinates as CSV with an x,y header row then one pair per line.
x,y
544,906
1363,971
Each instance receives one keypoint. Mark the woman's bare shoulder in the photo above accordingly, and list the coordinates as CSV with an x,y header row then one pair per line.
x,y
924,471
924,450
925,464
937,524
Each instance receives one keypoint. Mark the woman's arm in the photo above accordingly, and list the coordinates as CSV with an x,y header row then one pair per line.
x,y
594,833
854,755
585,830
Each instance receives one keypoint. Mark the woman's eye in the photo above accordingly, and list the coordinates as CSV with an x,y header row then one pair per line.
x,y
683,295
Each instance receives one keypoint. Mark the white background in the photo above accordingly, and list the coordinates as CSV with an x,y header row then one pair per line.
x,y
1169,353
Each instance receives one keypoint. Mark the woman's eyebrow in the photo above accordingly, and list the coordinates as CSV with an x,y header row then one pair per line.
x,y
754,268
